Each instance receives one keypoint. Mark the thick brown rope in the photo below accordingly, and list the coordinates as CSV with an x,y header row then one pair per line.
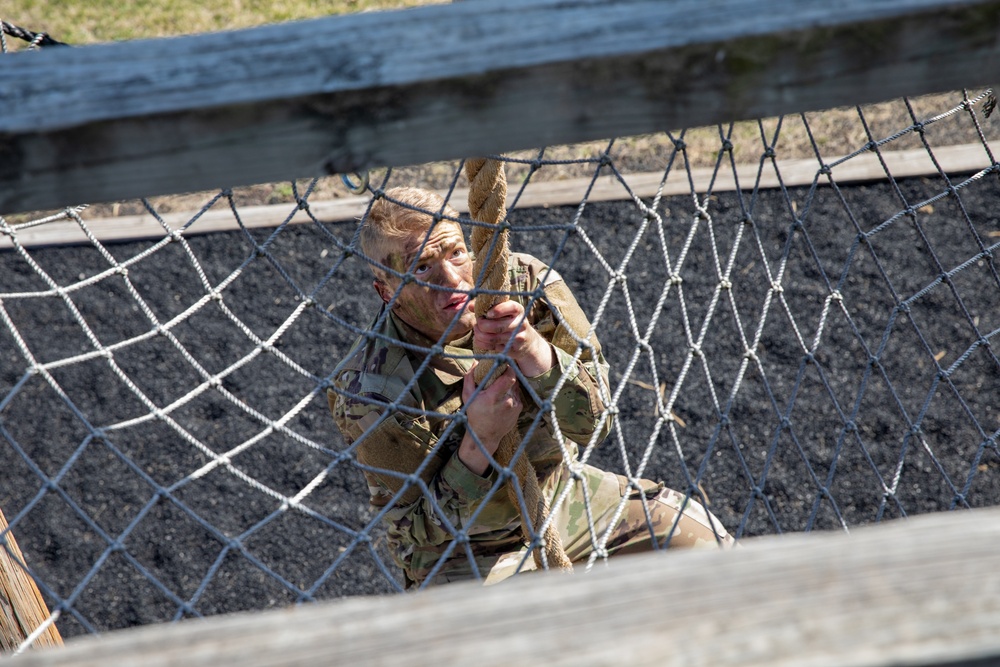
x,y
487,203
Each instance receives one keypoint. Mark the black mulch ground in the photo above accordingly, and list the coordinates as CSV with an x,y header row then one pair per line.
x,y
890,409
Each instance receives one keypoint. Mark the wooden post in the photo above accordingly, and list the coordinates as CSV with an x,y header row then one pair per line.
x,y
22,608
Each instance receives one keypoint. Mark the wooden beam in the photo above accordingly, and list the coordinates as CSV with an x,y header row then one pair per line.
x,y
333,95
22,609
920,591
145,226
952,160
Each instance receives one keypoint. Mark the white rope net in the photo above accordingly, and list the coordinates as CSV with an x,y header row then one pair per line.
x,y
802,353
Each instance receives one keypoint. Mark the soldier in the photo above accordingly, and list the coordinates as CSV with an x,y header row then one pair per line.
x,y
398,400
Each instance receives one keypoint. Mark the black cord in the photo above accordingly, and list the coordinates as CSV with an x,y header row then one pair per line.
x,y
36,38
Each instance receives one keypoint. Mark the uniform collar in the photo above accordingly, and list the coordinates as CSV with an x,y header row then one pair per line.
x,y
449,366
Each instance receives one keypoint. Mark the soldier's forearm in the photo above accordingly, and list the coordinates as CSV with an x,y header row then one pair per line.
x,y
541,359
473,456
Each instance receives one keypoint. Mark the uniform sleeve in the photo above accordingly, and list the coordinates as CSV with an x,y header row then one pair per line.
x,y
457,493
390,449
581,401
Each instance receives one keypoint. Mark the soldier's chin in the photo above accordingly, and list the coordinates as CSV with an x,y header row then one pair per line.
x,y
464,324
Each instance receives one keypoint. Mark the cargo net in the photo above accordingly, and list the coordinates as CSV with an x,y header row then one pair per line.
x,y
798,313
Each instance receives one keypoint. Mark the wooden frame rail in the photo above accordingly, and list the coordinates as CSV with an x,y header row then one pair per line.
x,y
332,95
968,158
920,591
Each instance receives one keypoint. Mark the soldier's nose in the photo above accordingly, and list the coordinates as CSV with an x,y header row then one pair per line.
x,y
451,277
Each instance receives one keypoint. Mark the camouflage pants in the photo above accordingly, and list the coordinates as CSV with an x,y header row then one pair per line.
x,y
673,521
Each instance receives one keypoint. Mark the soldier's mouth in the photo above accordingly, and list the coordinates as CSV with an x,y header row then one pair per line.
x,y
458,303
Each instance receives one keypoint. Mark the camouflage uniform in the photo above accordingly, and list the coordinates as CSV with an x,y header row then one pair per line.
x,y
405,437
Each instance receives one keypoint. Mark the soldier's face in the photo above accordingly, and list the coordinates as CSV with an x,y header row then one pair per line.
x,y
445,266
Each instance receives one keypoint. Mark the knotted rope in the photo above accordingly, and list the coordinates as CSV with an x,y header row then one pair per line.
x,y
487,203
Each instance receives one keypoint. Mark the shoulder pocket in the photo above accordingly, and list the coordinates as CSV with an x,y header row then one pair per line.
x,y
395,451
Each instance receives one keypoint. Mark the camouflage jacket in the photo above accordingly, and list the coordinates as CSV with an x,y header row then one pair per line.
x,y
408,453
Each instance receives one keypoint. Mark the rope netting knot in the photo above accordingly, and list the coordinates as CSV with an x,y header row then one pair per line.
x,y
488,204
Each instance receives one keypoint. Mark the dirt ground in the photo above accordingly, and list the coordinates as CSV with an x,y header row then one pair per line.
x,y
870,391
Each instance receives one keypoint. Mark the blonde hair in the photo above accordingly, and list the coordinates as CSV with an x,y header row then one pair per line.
x,y
399,214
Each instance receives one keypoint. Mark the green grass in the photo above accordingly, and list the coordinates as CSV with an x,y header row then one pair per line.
x,y
91,21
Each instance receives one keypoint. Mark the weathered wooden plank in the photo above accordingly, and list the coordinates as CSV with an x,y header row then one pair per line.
x,y
921,591
145,226
901,164
338,94
22,609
